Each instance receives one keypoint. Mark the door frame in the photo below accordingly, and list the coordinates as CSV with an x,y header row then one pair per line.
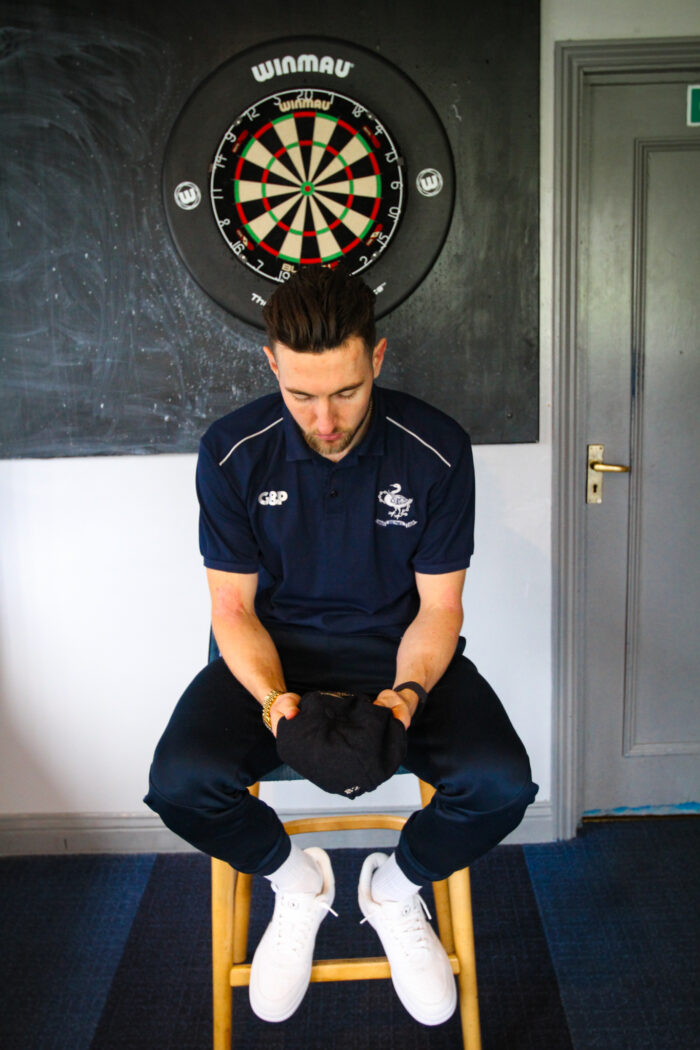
x,y
574,66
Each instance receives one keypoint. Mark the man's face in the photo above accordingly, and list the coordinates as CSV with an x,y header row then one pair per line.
x,y
328,394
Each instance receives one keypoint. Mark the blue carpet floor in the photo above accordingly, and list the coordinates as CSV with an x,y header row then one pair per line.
x,y
621,909
585,945
64,923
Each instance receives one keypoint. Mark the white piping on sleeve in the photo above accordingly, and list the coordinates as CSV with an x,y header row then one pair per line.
x,y
249,436
390,420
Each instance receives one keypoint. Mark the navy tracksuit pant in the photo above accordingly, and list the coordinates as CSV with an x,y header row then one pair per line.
x,y
463,743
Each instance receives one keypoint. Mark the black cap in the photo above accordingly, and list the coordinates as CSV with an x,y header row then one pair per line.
x,y
342,742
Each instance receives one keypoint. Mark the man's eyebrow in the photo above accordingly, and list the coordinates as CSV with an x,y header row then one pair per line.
x,y
343,390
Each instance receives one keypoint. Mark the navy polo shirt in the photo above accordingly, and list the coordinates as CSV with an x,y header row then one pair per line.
x,y
336,545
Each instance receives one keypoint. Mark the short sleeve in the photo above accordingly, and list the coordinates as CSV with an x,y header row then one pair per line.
x,y
447,543
226,539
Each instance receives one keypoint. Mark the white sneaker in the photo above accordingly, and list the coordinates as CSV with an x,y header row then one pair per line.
x,y
420,970
282,962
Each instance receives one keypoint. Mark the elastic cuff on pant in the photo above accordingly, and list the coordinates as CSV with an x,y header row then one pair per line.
x,y
275,858
213,837
409,866
487,830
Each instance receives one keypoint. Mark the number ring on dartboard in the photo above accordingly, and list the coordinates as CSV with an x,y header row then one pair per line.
x,y
305,172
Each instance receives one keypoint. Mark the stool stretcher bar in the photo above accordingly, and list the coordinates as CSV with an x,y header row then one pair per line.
x,y
370,968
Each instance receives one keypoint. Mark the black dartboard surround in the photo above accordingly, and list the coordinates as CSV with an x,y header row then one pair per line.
x,y
303,151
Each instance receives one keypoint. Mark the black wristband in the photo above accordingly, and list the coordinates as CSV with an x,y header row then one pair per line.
x,y
418,690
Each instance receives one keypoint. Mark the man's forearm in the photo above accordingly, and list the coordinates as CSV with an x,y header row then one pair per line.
x,y
249,652
428,645
426,649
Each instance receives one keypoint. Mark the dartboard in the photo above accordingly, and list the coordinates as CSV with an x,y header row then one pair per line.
x,y
293,185
307,152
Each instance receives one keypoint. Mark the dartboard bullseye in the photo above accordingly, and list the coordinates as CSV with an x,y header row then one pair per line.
x,y
307,151
307,177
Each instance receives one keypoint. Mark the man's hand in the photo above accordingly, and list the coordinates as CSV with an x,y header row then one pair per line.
x,y
402,705
285,706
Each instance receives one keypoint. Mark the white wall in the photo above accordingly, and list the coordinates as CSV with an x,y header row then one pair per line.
x,y
103,618
103,605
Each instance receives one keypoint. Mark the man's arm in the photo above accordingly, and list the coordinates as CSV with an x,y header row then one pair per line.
x,y
245,645
429,642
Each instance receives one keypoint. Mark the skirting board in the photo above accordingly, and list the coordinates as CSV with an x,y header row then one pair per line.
x,y
144,833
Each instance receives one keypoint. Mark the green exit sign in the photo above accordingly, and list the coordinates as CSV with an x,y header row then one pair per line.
x,y
693,105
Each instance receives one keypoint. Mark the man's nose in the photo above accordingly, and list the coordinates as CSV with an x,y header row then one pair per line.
x,y
324,416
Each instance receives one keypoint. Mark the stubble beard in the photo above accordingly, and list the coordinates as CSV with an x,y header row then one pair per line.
x,y
329,447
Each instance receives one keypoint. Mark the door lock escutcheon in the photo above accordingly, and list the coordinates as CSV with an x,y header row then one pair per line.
x,y
597,467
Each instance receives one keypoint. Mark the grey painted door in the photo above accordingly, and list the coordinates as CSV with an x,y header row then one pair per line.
x,y
639,313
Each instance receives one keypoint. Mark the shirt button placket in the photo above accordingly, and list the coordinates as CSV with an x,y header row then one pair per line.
x,y
333,500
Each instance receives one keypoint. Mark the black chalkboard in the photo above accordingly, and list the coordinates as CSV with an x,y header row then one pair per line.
x,y
108,346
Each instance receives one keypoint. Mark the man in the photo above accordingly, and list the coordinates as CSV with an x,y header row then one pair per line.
x,y
336,527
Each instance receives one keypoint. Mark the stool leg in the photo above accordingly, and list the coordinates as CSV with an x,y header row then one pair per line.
x,y
463,926
241,916
440,893
444,917
241,907
230,911
222,890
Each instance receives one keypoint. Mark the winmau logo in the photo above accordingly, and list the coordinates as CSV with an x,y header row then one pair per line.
x,y
338,67
304,103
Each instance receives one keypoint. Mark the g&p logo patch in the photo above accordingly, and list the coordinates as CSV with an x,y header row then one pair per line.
x,y
273,499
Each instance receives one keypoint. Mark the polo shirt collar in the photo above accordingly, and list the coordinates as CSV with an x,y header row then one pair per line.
x,y
372,443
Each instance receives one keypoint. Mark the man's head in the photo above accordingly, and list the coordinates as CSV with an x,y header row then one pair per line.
x,y
321,329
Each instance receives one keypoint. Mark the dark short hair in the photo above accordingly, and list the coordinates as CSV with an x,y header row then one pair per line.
x,y
319,309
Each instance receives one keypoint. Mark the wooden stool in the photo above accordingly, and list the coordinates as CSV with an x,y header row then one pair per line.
x,y
230,910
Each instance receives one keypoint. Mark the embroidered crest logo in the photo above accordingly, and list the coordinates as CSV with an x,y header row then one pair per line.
x,y
399,506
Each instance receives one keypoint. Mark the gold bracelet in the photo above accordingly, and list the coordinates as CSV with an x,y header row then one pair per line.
x,y
267,704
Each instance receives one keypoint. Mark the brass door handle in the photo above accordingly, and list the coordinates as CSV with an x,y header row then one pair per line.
x,y
609,468
597,466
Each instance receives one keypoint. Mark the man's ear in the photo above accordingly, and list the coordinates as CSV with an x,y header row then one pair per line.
x,y
271,361
378,357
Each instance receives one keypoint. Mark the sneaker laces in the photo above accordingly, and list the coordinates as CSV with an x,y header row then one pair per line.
x,y
408,926
294,920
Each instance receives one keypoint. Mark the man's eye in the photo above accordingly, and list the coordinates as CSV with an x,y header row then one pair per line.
x,y
348,395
